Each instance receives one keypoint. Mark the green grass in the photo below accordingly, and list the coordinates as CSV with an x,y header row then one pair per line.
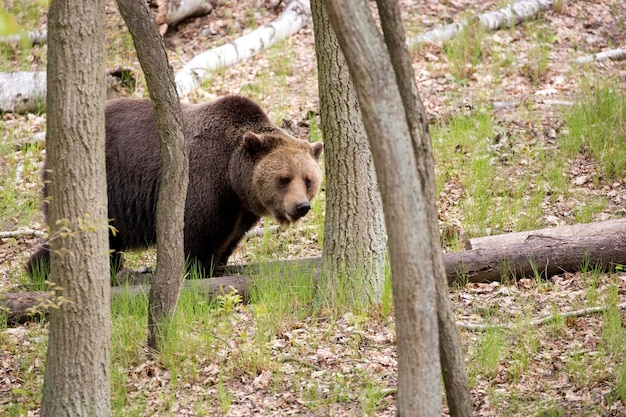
x,y
274,80
505,178
536,65
597,128
19,203
469,152
466,50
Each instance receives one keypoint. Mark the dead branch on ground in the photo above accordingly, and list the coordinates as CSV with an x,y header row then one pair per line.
x,y
482,327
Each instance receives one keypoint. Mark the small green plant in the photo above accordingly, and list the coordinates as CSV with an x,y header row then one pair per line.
x,y
550,409
613,334
277,300
619,392
227,302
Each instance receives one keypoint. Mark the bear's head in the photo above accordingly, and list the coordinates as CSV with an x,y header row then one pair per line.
x,y
286,174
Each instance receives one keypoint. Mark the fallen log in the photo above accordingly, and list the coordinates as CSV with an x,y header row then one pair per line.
x,y
606,227
25,91
22,91
613,54
507,16
35,37
20,307
544,253
538,255
296,15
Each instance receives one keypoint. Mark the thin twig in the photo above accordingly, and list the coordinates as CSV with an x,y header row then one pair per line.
x,y
301,362
481,327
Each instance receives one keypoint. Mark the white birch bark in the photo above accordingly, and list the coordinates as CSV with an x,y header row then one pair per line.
x,y
22,91
507,16
614,54
296,15
179,10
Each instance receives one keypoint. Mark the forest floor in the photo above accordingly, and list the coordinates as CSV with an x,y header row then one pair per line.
x,y
345,365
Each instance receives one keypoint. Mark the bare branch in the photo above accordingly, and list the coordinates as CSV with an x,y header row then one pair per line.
x,y
481,327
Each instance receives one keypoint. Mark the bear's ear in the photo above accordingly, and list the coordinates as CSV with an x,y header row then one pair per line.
x,y
317,147
253,143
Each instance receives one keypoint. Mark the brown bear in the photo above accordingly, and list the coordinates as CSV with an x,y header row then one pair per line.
x,y
241,167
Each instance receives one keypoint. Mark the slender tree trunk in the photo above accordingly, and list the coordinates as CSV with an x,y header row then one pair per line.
x,y
167,283
402,180
76,380
355,239
451,351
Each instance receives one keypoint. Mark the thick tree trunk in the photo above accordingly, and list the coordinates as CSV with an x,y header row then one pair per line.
x,y
165,288
355,240
450,349
76,380
402,180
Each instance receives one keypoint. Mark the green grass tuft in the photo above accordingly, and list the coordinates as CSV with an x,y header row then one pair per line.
x,y
597,127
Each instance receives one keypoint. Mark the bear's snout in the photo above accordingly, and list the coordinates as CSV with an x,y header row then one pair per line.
x,y
302,208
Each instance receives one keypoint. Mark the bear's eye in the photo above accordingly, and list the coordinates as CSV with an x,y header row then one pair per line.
x,y
307,182
284,180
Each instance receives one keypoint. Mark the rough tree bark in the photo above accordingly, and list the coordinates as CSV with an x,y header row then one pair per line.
x,y
76,379
355,239
402,180
538,255
450,349
167,282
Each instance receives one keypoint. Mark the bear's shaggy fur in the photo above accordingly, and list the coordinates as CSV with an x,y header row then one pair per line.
x,y
241,167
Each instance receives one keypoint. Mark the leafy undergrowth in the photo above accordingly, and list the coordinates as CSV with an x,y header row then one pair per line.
x,y
512,154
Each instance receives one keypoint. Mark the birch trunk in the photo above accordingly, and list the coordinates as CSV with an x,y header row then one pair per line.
x,y
614,54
